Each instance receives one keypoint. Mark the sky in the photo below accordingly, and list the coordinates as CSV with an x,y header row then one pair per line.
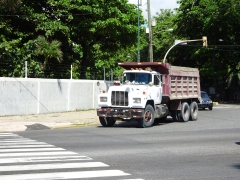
x,y
156,5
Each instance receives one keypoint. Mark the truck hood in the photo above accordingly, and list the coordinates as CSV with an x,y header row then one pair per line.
x,y
130,88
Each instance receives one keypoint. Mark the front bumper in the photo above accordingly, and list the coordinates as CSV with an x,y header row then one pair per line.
x,y
120,113
205,105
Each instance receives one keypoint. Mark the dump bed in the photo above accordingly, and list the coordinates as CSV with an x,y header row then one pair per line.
x,y
179,82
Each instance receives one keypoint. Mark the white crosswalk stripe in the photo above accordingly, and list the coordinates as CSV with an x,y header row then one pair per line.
x,y
66,175
44,159
31,149
25,146
52,166
36,154
25,159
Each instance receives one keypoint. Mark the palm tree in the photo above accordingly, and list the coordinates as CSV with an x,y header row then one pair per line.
x,y
48,50
10,5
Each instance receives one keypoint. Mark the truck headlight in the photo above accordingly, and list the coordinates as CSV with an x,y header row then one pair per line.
x,y
136,100
103,99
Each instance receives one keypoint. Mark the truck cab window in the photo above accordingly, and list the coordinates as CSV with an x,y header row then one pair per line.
x,y
156,80
138,78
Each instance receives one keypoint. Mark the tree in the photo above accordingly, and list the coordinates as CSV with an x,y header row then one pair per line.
x,y
48,50
218,20
10,5
87,29
163,37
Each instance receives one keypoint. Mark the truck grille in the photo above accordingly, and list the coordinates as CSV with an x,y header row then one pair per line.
x,y
119,98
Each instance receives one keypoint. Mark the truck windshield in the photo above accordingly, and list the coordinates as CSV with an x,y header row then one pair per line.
x,y
137,78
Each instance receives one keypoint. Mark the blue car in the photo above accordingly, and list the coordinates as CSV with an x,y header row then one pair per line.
x,y
206,102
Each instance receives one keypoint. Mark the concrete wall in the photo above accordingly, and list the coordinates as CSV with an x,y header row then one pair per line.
x,y
24,96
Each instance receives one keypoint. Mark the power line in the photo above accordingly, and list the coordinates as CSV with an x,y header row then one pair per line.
x,y
22,15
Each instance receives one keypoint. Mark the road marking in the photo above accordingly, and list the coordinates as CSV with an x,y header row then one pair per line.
x,y
131,179
27,146
66,175
17,140
31,149
44,159
227,107
20,143
52,166
37,154
8,134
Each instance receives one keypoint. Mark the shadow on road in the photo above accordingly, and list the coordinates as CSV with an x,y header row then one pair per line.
x,y
205,110
36,126
237,166
134,124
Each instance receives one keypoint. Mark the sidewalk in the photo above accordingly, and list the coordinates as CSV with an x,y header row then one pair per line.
x,y
48,121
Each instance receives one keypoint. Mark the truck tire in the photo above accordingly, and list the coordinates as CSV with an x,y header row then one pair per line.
x,y
185,112
193,111
107,122
148,117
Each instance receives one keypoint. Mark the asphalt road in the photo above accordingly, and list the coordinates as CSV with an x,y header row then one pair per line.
x,y
207,149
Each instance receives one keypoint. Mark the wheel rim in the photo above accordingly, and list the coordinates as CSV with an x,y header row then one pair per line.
x,y
148,116
186,112
194,111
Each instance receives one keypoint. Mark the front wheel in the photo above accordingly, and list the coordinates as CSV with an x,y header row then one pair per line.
x,y
107,122
148,117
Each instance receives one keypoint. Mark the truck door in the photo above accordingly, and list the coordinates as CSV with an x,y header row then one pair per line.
x,y
157,89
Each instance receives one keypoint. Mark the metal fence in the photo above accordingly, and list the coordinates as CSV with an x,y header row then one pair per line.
x,y
52,71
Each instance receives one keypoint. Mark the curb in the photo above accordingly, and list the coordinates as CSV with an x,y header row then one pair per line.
x,y
215,103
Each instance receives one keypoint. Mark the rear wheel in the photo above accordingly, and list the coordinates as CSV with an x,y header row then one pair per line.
x,y
148,117
107,122
193,111
185,112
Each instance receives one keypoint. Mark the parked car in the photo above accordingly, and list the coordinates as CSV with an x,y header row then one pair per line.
x,y
206,102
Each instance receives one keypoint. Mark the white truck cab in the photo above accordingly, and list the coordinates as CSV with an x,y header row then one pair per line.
x,y
137,89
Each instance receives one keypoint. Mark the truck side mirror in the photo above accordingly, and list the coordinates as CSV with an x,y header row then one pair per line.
x,y
163,79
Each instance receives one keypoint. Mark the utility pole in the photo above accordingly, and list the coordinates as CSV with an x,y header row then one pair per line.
x,y
150,31
138,54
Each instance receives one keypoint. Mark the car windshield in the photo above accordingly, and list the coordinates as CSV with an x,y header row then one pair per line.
x,y
204,95
137,78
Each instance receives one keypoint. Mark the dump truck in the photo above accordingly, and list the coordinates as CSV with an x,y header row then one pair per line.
x,y
149,92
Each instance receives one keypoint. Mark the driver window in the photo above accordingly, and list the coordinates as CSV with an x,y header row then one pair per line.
x,y
156,80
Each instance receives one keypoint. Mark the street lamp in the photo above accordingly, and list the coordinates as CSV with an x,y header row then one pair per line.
x,y
204,39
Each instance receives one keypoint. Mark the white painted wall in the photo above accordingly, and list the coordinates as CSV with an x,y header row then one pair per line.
x,y
25,96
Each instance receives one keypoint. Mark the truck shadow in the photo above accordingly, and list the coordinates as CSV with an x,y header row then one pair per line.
x,y
134,124
236,166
